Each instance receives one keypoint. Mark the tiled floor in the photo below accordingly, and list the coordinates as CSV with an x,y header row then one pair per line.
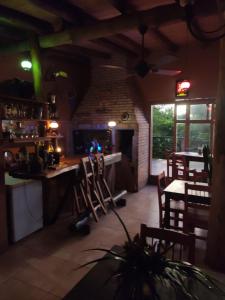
x,y
43,266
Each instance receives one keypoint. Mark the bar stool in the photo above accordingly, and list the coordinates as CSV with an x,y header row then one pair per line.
x,y
90,189
101,183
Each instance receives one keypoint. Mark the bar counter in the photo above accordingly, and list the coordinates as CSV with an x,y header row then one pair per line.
x,y
73,163
57,182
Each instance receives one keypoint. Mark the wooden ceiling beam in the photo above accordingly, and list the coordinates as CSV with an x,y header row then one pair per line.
x,y
123,6
171,46
115,47
72,50
63,55
155,17
77,17
66,11
22,21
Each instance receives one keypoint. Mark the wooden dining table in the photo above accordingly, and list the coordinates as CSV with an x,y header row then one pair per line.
x,y
191,156
176,191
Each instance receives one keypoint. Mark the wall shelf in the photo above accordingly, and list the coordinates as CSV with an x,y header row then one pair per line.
x,y
11,99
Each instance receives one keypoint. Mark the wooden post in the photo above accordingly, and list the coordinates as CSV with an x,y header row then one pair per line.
x,y
216,235
36,67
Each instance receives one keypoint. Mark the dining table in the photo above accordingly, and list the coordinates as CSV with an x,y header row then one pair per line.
x,y
191,156
176,191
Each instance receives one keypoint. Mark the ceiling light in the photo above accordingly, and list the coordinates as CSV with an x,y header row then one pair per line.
x,y
112,124
54,125
26,64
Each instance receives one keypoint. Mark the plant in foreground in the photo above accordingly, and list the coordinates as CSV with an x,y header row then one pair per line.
x,y
144,273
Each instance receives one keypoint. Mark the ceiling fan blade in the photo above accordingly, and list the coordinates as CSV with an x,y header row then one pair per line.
x,y
166,72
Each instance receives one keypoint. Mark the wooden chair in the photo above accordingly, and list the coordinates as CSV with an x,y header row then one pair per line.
x,y
176,207
200,176
101,183
196,215
90,188
169,163
182,244
180,170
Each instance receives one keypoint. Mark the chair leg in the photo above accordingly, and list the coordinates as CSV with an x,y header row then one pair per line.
x,y
176,219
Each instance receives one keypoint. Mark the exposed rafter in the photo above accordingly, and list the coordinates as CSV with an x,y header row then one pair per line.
x,y
63,55
22,21
170,45
78,17
154,17
123,6
115,47
67,11
120,38
83,51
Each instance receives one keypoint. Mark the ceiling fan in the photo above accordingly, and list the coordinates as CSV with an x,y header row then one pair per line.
x,y
142,68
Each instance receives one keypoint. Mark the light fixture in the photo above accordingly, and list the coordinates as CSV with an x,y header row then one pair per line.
x,y
53,125
26,64
58,149
182,88
112,124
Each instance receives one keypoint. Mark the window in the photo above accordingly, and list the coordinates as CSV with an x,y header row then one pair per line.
x,y
194,125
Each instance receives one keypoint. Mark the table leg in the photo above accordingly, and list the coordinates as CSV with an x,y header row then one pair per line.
x,y
167,211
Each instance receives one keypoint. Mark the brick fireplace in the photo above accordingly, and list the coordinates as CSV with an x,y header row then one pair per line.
x,y
114,95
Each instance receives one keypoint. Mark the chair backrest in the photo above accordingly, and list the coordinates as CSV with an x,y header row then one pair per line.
x,y
99,165
179,167
169,161
181,245
88,172
192,190
200,176
161,185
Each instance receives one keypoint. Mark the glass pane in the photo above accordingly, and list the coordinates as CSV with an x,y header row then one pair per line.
x,y
181,112
163,123
180,132
201,112
199,136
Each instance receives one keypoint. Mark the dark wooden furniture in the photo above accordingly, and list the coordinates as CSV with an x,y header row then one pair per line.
x,y
101,183
196,214
3,220
176,191
58,184
191,156
176,207
90,188
180,243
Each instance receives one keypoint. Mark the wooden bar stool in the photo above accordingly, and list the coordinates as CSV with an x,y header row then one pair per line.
x,y
90,189
101,183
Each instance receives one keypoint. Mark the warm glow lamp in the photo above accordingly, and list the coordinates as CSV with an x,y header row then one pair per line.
x,y
26,64
111,123
59,149
54,125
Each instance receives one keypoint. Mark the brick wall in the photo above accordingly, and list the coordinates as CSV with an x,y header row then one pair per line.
x,y
111,93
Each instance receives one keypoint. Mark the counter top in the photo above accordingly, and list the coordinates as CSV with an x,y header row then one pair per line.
x,y
68,164
14,182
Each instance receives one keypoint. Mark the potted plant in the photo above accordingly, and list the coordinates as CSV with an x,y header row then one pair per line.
x,y
145,273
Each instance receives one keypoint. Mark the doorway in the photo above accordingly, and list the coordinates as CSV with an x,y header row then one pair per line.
x,y
162,135
183,126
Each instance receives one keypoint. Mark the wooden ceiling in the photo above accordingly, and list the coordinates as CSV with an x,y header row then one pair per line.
x,y
98,27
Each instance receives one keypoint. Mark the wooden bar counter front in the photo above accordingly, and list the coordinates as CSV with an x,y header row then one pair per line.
x,y
57,184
